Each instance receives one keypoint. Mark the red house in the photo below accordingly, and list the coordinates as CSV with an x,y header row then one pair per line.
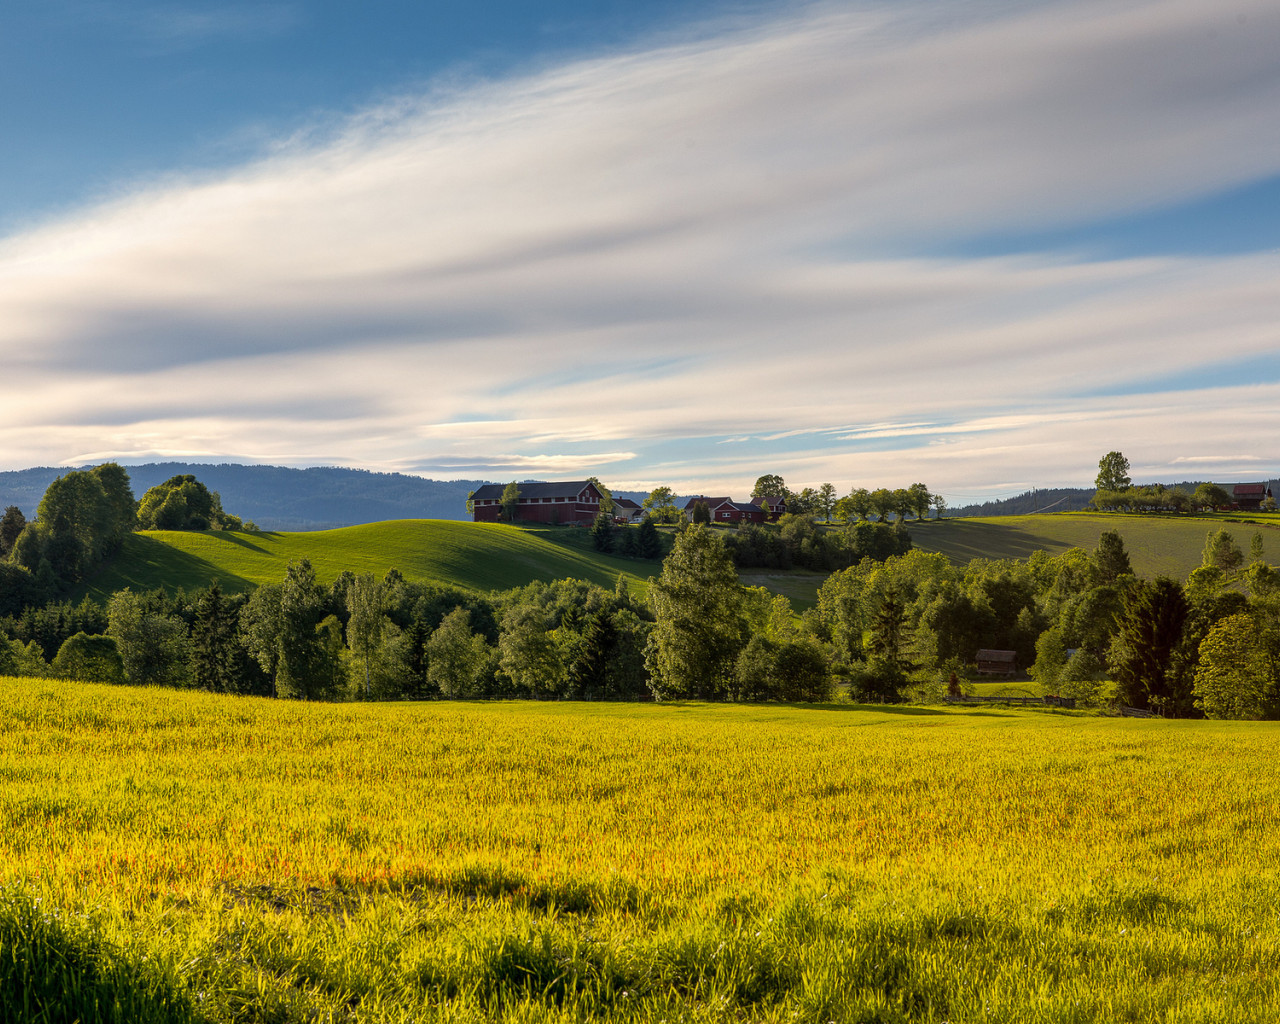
x,y
777,506
565,502
726,510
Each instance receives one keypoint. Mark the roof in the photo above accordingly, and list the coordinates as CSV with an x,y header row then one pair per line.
x,y
997,656
624,503
553,489
744,506
709,502
1250,490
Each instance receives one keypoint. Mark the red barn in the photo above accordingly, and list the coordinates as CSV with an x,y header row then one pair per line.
x,y
575,501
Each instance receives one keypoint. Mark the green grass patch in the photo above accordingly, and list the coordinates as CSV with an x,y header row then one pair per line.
x,y
1157,545
477,556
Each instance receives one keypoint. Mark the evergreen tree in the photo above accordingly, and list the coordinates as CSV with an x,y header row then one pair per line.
x,y
649,540
602,532
1110,560
11,525
1147,659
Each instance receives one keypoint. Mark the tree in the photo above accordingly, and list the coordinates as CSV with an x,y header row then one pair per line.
x,y
1147,660
1222,551
457,657
1113,472
181,503
770,486
510,502
602,532
154,648
860,502
827,501
365,625
883,503
649,541
219,661
11,525
528,656
1110,560
661,505
91,659
701,513
700,630
939,504
1238,675
1210,496
919,499
888,627
307,667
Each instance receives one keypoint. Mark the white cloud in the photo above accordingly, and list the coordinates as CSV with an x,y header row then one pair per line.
x,y
663,251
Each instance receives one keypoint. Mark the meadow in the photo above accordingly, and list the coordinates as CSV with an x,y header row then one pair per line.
x,y
1157,545
475,556
191,857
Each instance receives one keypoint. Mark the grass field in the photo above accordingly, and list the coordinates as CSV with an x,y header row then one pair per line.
x,y
478,556
235,859
1157,545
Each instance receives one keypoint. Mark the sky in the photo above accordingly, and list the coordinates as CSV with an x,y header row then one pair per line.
x,y
972,244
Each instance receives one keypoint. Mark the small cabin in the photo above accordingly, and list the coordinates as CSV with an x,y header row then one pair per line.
x,y
997,663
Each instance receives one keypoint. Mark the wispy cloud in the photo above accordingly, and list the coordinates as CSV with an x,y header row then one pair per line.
x,y
667,250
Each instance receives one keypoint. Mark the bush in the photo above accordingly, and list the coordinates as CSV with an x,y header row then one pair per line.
x,y
878,680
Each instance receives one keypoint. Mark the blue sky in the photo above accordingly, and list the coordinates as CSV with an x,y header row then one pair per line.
x,y
976,245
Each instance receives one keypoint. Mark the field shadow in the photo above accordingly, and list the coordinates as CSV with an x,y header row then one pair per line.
x,y
968,540
239,539
149,565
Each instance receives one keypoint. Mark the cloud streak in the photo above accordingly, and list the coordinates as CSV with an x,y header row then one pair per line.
x,y
665,250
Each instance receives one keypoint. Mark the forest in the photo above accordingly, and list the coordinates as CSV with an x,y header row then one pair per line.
x,y
890,623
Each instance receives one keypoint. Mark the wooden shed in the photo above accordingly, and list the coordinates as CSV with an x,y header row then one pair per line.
x,y
997,663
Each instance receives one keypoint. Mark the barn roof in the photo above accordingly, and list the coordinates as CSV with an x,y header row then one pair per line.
x,y
541,489
709,502
1250,490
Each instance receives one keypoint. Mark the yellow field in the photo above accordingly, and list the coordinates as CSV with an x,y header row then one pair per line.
x,y
555,861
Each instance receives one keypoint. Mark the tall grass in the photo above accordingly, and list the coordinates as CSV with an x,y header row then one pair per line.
x,y
279,862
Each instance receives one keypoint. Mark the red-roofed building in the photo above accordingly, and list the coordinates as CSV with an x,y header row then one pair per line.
x,y
1249,497
575,501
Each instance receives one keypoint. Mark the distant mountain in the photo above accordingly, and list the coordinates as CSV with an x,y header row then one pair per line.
x,y
1050,499
277,498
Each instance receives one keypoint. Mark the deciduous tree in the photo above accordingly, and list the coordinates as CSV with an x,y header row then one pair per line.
x,y
698,603
1113,472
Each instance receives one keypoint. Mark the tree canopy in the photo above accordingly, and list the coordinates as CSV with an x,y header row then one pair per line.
x,y
1113,472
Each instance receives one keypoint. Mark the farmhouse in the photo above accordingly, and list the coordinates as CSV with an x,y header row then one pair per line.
x,y
627,511
565,502
777,506
726,510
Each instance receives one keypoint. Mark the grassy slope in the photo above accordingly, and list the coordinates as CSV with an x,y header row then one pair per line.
x,y
1156,545
479,556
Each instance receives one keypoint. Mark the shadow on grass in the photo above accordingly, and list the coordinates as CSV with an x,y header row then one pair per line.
x,y
145,564
238,539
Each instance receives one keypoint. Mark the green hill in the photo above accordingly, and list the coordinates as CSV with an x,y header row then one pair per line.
x,y
478,556
1157,545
